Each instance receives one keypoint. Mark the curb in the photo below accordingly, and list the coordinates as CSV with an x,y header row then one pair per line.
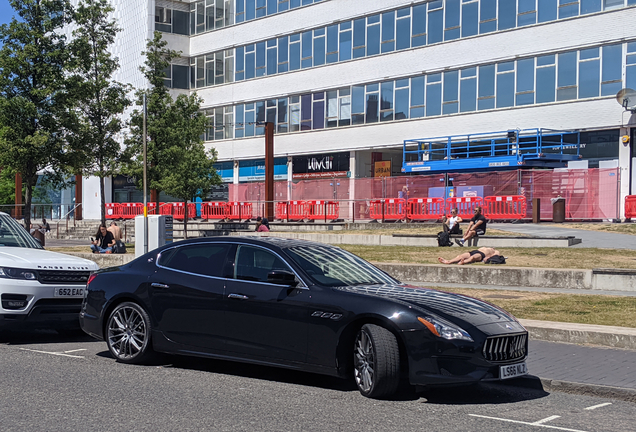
x,y
550,385
608,336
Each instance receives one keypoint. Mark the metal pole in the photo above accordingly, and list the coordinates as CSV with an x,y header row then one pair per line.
x,y
145,182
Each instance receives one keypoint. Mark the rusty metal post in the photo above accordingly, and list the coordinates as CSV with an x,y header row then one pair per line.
x,y
78,197
269,170
325,211
382,204
287,204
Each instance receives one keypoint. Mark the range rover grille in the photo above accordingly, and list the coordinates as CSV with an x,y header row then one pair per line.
x,y
63,277
506,348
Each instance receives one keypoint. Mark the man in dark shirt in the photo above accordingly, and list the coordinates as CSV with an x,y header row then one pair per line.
x,y
103,242
477,226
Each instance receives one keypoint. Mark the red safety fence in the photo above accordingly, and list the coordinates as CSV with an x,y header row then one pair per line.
x,y
178,210
388,209
465,206
280,211
152,208
166,209
113,211
239,210
322,210
130,210
630,206
425,208
214,210
297,210
505,207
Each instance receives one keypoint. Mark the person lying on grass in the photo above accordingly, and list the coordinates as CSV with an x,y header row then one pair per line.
x,y
479,255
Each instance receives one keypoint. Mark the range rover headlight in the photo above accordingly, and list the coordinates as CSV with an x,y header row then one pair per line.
x,y
14,273
444,329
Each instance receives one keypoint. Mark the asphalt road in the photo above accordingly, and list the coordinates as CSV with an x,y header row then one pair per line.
x,y
68,383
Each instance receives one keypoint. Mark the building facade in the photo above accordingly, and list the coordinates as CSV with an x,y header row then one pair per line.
x,y
346,82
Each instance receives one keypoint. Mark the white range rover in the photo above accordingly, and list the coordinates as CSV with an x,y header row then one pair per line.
x,y
38,288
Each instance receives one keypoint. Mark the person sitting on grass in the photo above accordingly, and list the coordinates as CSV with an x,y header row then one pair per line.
x,y
103,242
451,224
482,254
476,227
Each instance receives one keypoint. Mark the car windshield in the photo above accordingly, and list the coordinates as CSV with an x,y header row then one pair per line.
x,y
331,266
13,234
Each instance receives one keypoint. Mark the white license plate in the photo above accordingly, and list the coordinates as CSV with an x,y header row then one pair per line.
x,y
68,292
513,371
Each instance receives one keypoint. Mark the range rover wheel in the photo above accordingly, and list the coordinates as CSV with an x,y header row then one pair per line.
x,y
376,360
128,333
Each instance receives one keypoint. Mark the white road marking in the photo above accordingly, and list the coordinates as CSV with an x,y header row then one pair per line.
x,y
545,420
53,353
81,349
526,423
598,406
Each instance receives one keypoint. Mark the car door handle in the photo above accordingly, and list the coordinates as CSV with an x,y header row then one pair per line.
x,y
159,285
238,296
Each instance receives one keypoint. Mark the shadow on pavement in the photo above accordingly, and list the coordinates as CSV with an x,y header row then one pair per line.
x,y
37,336
515,390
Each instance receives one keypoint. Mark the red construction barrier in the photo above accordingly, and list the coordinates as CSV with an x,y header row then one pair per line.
x,y
505,207
152,208
130,210
630,206
239,210
394,209
113,211
178,210
465,206
322,210
425,208
297,210
280,211
214,210
165,209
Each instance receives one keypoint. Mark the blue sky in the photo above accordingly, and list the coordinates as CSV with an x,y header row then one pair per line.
x,y
6,12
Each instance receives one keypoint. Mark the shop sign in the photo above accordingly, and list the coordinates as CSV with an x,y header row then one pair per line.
x,y
254,170
321,166
122,182
382,169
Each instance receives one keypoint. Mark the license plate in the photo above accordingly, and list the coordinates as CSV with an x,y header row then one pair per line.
x,y
68,292
513,371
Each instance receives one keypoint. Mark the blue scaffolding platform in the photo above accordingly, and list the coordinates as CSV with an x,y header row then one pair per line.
x,y
494,150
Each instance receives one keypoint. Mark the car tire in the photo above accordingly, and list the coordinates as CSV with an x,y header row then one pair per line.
x,y
128,333
376,361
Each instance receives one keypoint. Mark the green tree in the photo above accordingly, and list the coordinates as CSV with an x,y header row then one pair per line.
x,y
7,189
189,170
99,101
32,97
159,130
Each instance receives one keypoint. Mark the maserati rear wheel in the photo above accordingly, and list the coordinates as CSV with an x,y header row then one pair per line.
x,y
128,334
376,360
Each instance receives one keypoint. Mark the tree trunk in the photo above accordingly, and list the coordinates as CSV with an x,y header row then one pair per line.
x,y
103,200
185,221
28,196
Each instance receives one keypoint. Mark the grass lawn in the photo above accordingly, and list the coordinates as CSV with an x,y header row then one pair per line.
x,y
620,228
572,258
571,308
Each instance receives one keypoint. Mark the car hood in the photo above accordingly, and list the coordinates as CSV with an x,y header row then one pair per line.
x,y
42,259
470,310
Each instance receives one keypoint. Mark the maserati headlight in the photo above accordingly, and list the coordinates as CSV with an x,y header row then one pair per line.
x,y
14,273
444,329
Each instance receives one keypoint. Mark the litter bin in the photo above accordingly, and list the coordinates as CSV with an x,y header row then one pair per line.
x,y
558,210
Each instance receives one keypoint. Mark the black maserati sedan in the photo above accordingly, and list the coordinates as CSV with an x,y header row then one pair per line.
x,y
299,305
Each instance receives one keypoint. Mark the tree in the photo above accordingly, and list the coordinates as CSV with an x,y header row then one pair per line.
x,y
99,101
190,170
32,97
159,130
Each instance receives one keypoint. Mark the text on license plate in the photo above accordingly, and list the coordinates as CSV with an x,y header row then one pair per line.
x,y
68,292
512,371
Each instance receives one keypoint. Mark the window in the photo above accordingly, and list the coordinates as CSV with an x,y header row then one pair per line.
x,y
372,103
547,10
433,94
470,18
524,94
468,90
451,21
568,8
527,13
507,14
344,110
359,37
163,19
450,101
254,264
318,114
418,32
612,68
386,101
417,97
345,45
630,70
435,21
281,121
589,73
488,16
403,29
388,32
402,99
486,95
205,259
566,78
505,84
373,35
546,78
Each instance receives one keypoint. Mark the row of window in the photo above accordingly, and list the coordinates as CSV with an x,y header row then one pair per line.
x,y
208,15
409,27
580,74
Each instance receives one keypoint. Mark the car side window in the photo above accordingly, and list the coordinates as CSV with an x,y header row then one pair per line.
x,y
205,259
254,264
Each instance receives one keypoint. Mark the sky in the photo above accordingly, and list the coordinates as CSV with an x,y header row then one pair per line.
x,y
6,12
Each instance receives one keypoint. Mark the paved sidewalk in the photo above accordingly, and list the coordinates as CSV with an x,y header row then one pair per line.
x,y
600,371
589,239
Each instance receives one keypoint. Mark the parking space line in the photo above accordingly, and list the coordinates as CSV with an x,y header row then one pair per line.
x,y
545,420
598,406
53,353
527,423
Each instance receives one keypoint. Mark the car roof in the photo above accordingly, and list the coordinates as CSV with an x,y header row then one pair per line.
x,y
279,242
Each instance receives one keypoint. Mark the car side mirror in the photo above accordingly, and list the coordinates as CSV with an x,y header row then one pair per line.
x,y
282,277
